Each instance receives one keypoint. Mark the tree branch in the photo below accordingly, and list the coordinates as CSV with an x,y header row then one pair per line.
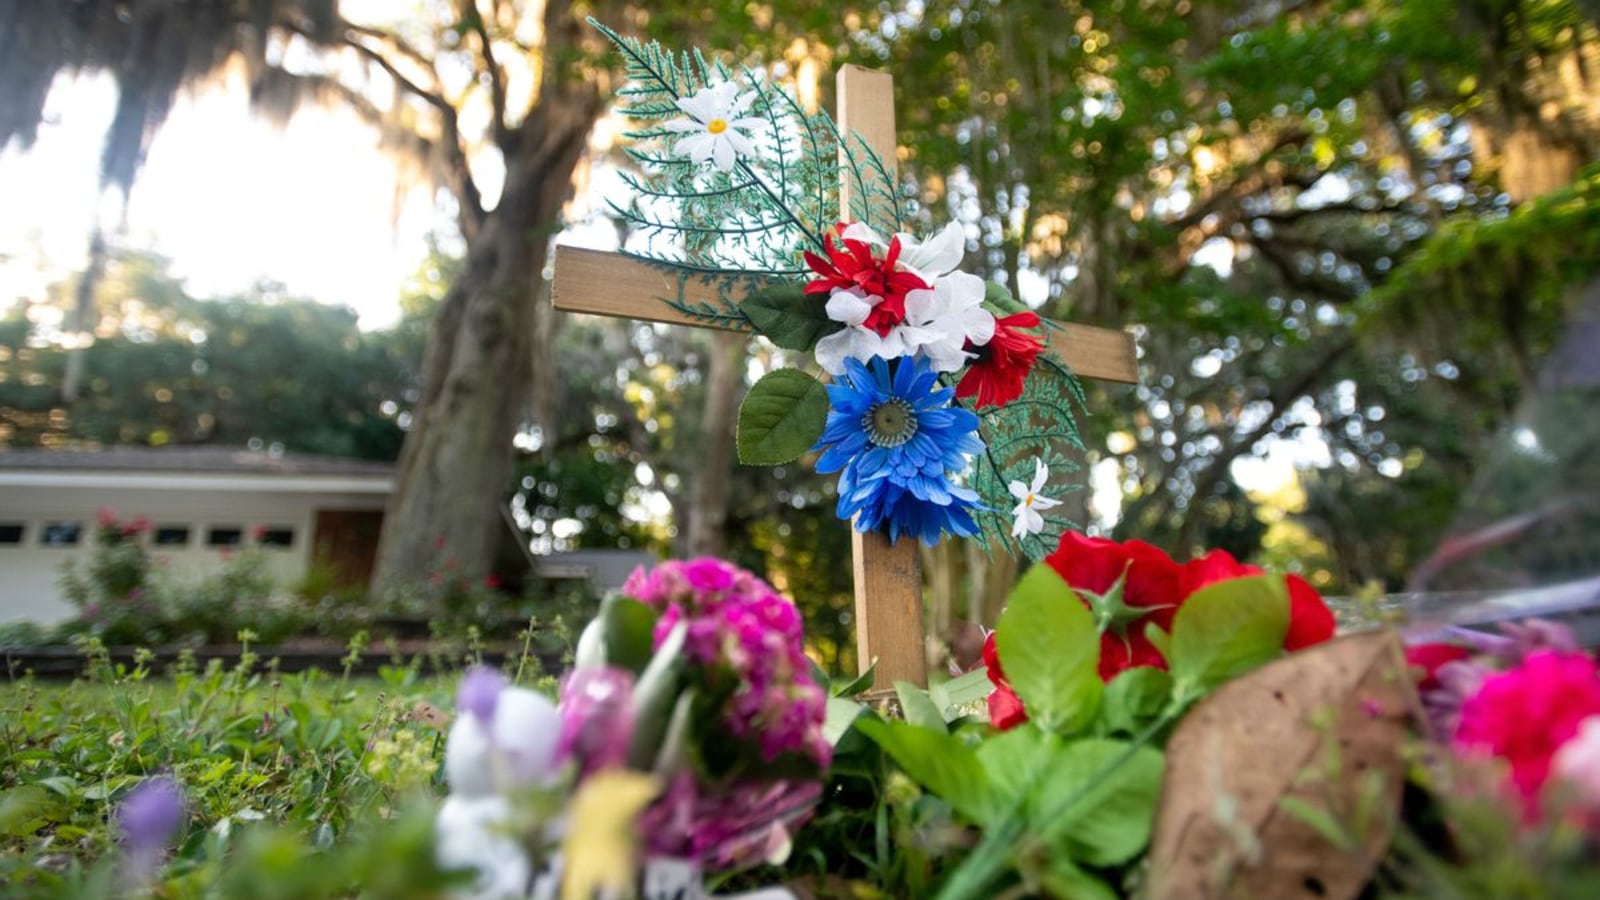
x,y
497,84
457,175
1281,396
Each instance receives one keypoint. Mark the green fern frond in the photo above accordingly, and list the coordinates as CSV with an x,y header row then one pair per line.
x,y
774,204
1041,424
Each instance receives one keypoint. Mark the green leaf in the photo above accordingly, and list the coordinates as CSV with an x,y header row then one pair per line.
x,y
788,317
1015,760
1060,877
23,810
1051,652
860,684
959,692
1226,629
655,695
999,296
939,762
781,418
842,713
629,632
1135,698
1160,639
918,708
1099,802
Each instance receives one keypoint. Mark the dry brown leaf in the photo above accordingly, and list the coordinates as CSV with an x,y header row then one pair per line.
x,y
1318,728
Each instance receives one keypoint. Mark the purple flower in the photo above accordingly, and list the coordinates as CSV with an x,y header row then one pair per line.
x,y
596,717
146,823
150,815
746,642
480,692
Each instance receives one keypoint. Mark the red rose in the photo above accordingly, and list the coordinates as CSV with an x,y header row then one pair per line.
x,y
997,373
1430,658
1150,595
1005,707
1310,620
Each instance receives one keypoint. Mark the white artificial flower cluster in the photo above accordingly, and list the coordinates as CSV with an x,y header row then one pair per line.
x,y
507,742
1026,518
939,323
715,128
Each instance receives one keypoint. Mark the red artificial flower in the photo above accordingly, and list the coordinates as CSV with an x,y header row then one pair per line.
x,y
854,267
1430,658
1310,620
1005,707
1524,715
1000,367
1150,594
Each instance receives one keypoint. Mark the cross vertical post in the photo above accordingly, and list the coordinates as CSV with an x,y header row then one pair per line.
x,y
888,577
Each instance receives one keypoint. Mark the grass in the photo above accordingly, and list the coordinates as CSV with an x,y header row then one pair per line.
x,y
278,771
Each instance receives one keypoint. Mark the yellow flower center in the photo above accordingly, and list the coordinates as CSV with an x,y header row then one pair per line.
x,y
1028,502
717,126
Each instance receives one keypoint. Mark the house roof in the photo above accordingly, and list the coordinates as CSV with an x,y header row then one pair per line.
x,y
190,459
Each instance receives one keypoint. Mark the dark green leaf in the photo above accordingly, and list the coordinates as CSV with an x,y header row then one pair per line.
x,y
629,632
999,297
1226,629
1051,652
786,316
781,418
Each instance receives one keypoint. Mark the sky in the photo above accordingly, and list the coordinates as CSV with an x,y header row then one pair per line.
x,y
229,198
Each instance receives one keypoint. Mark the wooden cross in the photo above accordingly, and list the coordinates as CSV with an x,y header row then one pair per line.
x,y
888,577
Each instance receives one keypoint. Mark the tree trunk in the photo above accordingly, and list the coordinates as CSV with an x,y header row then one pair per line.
x,y
708,508
453,471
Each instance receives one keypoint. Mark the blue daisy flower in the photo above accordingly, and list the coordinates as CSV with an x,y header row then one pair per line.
x,y
896,439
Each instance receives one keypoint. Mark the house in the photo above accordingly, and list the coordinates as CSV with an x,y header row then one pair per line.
x,y
200,503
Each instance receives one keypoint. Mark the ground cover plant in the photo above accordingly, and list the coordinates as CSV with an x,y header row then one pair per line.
x,y
274,768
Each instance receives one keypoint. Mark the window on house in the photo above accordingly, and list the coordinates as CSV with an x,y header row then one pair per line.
x,y
171,536
224,537
11,532
276,536
61,534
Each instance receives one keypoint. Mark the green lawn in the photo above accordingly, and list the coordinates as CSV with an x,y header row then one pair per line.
x,y
275,768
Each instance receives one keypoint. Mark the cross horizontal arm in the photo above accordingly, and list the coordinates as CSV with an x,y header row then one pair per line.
x,y
621,286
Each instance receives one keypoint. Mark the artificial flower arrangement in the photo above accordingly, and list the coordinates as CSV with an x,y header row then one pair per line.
x,y
687,739
1138,728
945,410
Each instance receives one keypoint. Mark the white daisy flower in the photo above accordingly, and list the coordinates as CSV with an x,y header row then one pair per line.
x,y
716,125
1030,502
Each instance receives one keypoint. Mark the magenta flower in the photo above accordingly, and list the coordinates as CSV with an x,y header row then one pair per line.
x,y
1524,715
746,643
596,717
728,828
1578,763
